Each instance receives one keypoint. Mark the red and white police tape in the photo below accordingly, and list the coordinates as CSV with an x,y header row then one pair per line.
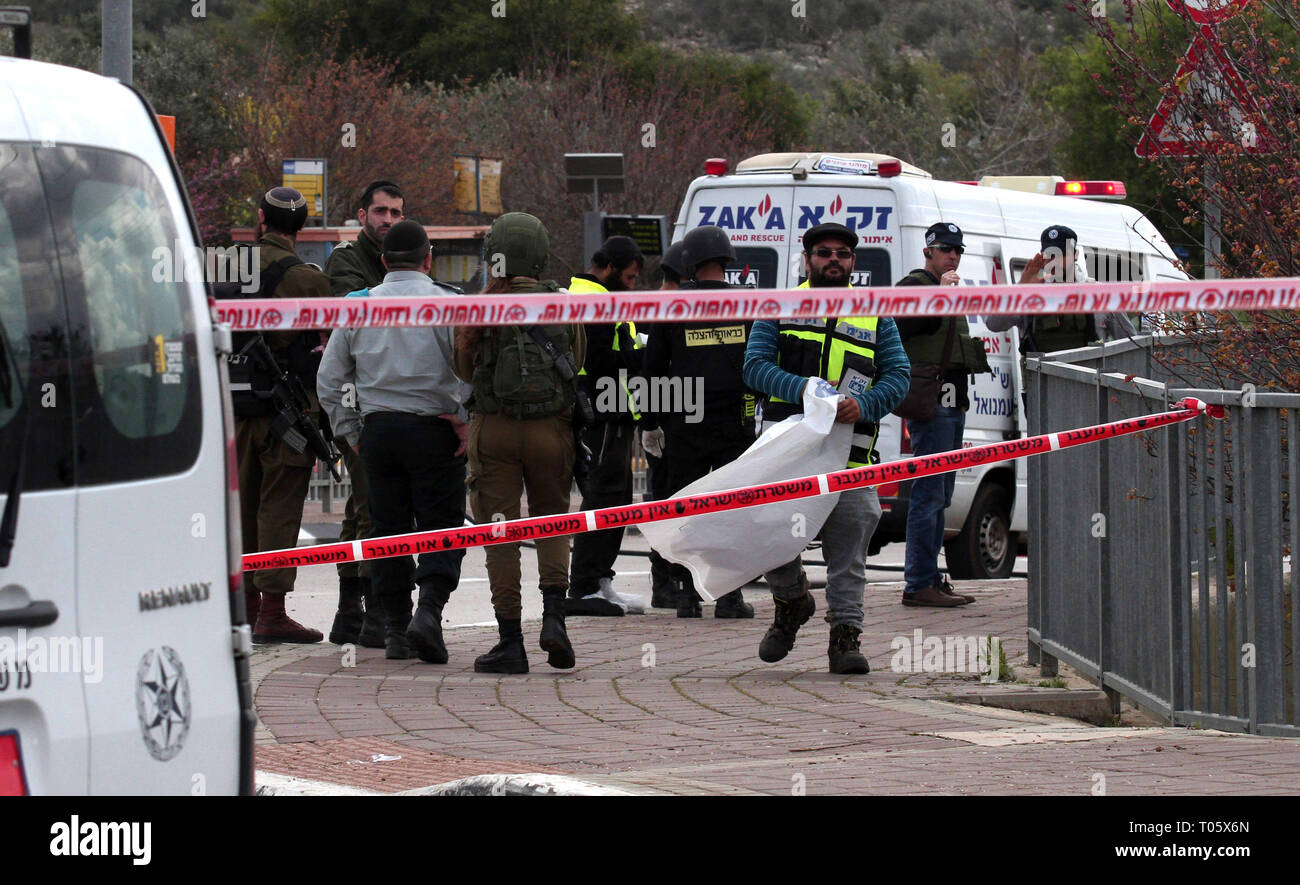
x,y
269,314
732,499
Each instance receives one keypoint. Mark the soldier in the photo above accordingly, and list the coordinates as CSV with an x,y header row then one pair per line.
x,y
719,425
273,478
521,437
663,591
353,266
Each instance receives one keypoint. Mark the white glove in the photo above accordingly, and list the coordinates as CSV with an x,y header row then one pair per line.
x,y
653,442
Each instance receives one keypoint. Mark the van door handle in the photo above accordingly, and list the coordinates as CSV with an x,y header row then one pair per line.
x,y
35,614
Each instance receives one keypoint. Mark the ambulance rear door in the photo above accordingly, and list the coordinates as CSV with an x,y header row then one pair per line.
x,y
757,218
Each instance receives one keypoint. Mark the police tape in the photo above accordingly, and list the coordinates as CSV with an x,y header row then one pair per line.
x,y
533,528
693,305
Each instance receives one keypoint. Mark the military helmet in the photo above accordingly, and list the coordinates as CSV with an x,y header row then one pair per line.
x,y
523,242
706,243
672,260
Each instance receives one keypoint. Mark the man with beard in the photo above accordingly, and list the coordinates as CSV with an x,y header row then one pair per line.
x,y
945,342
351,267
864,359
613,358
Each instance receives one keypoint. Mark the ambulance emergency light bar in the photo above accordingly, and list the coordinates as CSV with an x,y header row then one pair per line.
x,y
1055,185
888,168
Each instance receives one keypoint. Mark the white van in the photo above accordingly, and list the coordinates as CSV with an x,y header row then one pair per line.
x,y
123,657
769,200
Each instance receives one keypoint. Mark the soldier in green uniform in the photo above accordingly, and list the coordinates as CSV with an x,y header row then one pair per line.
x,y
273,478
352,266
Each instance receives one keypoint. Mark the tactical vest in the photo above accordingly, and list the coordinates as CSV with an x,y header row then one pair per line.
x,y
967,352
517,378
582,286
1048,334
250,383
829,348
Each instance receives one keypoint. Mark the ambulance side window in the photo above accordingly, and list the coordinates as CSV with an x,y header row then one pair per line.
x,y
1017,268
35,395
134,349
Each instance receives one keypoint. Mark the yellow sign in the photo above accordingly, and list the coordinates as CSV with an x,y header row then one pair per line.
x,y
715,335
308,178
477,193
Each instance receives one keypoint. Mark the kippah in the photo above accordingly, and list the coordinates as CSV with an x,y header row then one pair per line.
x,y
285,198
405,236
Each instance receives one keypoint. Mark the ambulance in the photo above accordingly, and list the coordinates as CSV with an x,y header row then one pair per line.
x,y
123,652
767,203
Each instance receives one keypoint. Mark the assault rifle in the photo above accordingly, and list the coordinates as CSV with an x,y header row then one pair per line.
x,y
292,424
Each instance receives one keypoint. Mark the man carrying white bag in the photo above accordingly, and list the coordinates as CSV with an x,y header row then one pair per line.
x,y
822,429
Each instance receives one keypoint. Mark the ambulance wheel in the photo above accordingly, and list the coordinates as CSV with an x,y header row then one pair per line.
x,y
985,548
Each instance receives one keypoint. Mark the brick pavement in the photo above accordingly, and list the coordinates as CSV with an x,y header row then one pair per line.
x,y
659,705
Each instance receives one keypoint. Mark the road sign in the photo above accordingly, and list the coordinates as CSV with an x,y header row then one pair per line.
x,y
308,178
1205,102
594,173
1207,12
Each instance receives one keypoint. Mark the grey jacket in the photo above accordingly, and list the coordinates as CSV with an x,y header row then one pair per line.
x,y
405,370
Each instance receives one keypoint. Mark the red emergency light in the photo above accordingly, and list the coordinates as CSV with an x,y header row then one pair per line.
x,y
716,166
889,168
1112,190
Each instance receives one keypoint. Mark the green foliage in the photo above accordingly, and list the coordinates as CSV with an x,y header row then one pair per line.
x,y
455,41
764,99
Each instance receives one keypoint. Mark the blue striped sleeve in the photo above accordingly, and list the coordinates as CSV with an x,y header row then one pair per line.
x,y
761,371
893,374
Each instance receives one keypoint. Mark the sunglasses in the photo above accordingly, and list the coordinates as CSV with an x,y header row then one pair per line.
x,y
838,253
946,249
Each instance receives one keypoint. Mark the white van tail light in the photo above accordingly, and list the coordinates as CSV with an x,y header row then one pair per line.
x,y
716,166
1099,190
13,779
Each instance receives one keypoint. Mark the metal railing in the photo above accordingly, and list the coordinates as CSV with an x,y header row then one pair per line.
x,y
1160,564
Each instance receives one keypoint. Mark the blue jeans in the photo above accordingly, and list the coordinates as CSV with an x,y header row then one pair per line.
x,y
844,548
931,496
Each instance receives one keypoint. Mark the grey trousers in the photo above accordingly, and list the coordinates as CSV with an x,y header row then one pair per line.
x,y
844,547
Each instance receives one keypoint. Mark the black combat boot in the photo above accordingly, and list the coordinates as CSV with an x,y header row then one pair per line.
x,y
688,601
843,651
663,594
347,620
733,605
397,615
425,630
555,639
372,624
790,616
508,655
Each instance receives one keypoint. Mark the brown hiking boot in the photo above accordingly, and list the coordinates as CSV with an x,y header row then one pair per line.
x,y
275,625
948,590
932,597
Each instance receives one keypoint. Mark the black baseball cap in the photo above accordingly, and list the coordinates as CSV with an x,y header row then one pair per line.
x,y
944,234
1056,236
825,231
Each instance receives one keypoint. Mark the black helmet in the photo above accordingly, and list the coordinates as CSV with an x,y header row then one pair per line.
x,y
706,243
672,260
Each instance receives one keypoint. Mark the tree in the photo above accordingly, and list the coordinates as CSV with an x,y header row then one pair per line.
x,y
664,127
1244,159
453,42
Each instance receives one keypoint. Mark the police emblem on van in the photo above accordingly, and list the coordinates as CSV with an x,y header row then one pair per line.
x,y
162,702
